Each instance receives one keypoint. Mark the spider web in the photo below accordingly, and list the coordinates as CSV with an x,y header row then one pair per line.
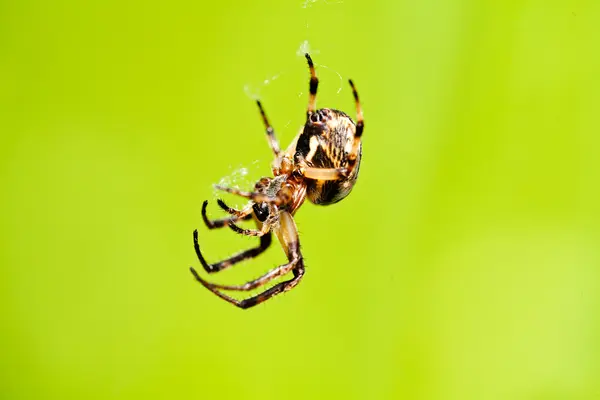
x,y
310,3
240,177
254,90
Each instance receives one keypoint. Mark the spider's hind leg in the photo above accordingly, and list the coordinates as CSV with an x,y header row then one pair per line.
x,y
360,126
312,87
325,174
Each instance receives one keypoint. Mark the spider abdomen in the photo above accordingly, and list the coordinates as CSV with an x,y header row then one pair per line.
x,y
326,142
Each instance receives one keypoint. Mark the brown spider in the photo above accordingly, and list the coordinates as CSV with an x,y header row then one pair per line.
x,y
321,163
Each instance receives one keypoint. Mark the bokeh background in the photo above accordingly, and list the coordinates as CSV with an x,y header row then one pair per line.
x,y
464,265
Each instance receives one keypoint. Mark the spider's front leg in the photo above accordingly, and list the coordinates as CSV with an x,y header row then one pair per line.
x,y
219,223
254,196
266,227
264,224
288,237
233,211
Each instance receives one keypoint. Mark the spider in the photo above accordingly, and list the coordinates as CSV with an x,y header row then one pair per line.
x,y
321,163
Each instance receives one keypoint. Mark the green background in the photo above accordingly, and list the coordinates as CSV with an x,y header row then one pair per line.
x,y
464,265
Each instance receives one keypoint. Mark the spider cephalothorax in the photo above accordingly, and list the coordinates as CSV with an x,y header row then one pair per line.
x,y
321,164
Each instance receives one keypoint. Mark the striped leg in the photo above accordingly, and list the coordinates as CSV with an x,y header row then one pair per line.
x,y
219,223
266,227
273,143
265,242
288,236
360,126
312,87
264,296
261,281
254,196
233,211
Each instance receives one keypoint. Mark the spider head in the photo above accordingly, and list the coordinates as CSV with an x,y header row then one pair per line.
x,y
261,210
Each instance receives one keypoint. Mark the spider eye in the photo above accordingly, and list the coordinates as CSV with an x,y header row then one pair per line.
x,y
261,211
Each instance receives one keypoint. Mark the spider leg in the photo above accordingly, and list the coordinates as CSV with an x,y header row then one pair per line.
x,y
273,143
360,126
255,196
325,174
266,227
287,234
264,296
219,223
314,83
265,242
232,211
253,284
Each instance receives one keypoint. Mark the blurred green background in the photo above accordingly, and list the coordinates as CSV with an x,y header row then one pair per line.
x,y
464,265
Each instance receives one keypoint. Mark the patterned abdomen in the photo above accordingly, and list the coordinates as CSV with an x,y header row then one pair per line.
x,y
325,142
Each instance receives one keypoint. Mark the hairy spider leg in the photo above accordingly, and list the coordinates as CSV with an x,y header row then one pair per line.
x,y
273,143
264,296
219,223
233,211
312,86
287,234
265,242
266,227
360,126
253,284
255,196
